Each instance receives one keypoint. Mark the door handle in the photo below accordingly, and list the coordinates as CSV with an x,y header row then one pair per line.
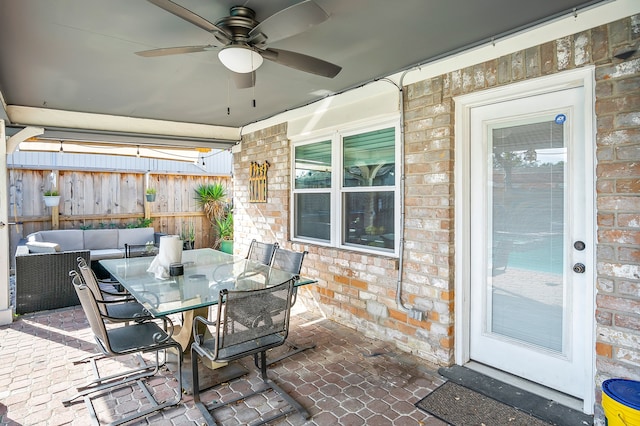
x,y
579,268
2,224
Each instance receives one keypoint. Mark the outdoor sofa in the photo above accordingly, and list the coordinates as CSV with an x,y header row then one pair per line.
x,y
44,259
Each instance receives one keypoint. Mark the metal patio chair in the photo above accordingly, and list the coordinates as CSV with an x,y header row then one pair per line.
x,y
113,304
261,252
290,261
142,336
248,323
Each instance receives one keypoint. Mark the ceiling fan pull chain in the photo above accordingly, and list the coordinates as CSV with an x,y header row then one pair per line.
x,y
228,97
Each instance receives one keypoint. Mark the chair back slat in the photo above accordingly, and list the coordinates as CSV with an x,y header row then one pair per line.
x,y
288,260
91,310
89,278
261,252
251,319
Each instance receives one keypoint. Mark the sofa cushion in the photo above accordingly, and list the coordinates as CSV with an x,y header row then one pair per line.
x,y
69,239
134,236
42,247
99,239
106,254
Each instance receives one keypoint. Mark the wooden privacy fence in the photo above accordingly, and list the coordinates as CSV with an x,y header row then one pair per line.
x,y
105,199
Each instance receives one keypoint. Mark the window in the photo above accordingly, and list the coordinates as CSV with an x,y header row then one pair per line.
x,y
345,190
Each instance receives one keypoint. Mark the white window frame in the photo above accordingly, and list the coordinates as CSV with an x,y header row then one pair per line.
x,y
337,190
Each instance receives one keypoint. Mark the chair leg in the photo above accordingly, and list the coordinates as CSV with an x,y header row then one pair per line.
x,y
118,381
294,349
196,389
263,365
194,374
293,405
100,382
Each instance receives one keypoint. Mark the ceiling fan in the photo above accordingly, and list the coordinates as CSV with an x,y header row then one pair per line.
x,y
243,40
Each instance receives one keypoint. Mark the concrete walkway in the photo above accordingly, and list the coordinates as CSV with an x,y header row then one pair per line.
x,y
346,380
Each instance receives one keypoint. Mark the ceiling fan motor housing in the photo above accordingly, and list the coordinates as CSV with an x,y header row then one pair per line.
x,y
240,21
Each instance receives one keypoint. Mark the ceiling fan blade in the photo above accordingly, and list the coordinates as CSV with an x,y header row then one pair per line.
x,y
244,80
189,16
290,21
166,51
301,62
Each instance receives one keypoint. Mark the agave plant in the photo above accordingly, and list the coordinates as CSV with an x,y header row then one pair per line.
x,y
225,227
212,198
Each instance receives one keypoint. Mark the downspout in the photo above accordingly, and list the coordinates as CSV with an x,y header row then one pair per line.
x,y
411,312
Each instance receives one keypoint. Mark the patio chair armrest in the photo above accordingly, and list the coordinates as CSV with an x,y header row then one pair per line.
x,y
220,272
113,301
200,320
168,329
138,317
122,294
150,295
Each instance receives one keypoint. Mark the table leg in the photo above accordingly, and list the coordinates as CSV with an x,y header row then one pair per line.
x,y
184,334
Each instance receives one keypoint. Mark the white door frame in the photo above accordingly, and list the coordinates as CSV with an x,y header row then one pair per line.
x,y
580,77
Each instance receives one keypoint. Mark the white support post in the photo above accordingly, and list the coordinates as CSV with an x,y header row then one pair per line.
x,y
6,313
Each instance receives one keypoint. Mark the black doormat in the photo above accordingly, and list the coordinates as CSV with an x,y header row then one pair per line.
x,y
460,406
550,411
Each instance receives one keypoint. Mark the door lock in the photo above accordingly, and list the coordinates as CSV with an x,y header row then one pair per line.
x,y
579,245
579,268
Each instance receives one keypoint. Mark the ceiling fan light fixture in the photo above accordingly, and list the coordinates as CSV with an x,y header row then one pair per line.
x,y
240,59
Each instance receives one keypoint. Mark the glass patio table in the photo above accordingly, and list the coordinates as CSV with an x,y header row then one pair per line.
x,y
206,273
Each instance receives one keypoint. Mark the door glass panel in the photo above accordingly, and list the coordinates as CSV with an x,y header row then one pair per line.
x,y
526,232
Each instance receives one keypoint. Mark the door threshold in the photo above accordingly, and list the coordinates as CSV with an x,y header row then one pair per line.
x,y
529,386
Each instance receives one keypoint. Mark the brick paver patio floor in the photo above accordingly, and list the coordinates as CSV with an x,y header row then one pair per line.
x,y
347,379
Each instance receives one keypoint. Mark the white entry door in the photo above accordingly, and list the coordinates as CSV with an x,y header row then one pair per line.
x,y
531,239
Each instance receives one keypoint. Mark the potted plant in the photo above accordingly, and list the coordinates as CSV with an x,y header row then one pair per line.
x,y
224,226
151,194
188,235
212,197
51,198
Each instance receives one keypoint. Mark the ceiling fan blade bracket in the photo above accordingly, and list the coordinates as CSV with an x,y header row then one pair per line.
x,y
258,39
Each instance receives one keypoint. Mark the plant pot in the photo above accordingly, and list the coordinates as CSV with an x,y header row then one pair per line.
x,y
226,246
151,197
51,200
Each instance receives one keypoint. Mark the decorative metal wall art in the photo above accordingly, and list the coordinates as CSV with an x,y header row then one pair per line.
x,y
258,182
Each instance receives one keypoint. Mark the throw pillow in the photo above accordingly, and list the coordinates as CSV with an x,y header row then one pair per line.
x,y
42,247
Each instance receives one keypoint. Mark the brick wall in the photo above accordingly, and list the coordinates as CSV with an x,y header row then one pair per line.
x,y
429,141
360,289
618,203
264,221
